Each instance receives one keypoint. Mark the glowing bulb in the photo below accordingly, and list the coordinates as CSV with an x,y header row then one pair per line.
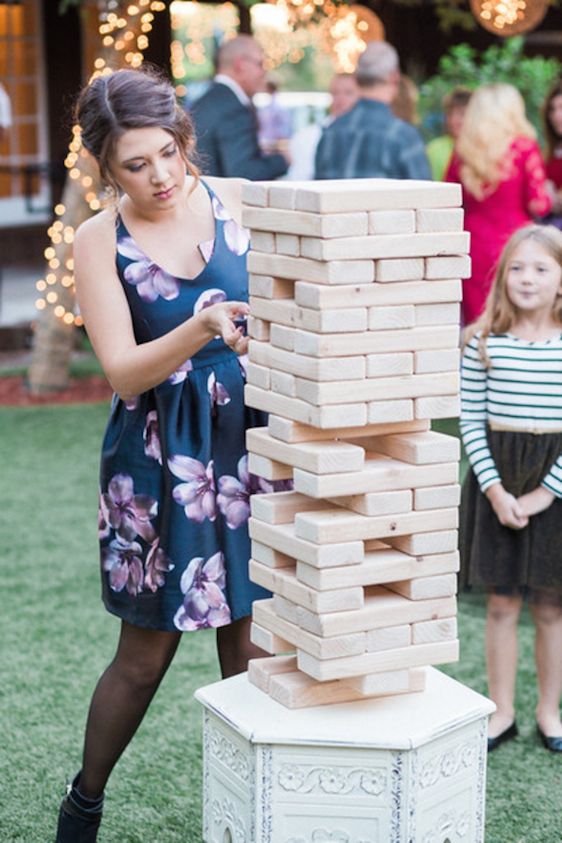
x,y
52,297
40,304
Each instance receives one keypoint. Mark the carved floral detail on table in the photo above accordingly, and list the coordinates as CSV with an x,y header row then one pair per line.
x,y
397,795
225,751
450,824
322,835
225,816
266,767
342,780
447,764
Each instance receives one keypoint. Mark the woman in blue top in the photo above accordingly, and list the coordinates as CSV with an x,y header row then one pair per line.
x,y
161,281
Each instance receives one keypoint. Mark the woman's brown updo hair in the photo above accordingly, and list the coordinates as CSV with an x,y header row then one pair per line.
x,y
130,99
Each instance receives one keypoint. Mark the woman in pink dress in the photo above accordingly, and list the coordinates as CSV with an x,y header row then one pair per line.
x,y
498,163
552,115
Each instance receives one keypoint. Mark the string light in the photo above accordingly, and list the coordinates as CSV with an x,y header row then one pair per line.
x,y
509,17
124,37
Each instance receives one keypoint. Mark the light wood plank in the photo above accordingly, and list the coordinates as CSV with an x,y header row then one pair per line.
x,y
282,537
318,457
379,294
325,526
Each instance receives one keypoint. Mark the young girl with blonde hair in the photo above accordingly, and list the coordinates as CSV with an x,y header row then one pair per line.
x,y
511,508
498,163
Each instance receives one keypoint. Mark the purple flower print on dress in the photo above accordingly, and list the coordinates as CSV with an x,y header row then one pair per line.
x,y
204,603
150,280
243,363
234,494
208,298
206,248
157,564
103,519
132,403
218,392
237,238
151,437
129,514
122,560
181,374
197,493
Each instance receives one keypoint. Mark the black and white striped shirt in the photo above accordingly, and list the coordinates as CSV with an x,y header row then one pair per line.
x,y
522,386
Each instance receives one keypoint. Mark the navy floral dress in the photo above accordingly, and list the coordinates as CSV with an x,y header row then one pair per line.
x,y
175,488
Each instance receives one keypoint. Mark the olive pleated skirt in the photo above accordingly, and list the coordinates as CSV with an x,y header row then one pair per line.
x,y
497,558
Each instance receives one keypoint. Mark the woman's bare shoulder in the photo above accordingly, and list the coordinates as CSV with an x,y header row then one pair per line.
x,y
229,192
100,227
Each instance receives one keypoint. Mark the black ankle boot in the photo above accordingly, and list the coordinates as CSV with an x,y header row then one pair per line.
x,y
78,823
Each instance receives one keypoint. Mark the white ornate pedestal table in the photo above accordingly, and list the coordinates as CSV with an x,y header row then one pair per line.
x,y
400,769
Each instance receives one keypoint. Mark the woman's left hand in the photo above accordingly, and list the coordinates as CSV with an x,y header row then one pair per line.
x,y
536,501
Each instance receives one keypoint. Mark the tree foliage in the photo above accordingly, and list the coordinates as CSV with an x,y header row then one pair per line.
x,y
503,62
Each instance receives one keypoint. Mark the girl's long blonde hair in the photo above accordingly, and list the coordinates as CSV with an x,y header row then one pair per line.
x,y
499,313
495,116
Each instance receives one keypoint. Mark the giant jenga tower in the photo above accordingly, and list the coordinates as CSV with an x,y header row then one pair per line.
x,y
354,295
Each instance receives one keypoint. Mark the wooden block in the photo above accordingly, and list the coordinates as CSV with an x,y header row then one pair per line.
x,y
311,225
337,196
385,318
297,690
389,682
377,503
438,541
260,671
281,507
290,431
389,637
268,469
321,369
368,295
444,629
399,410
448,313
283,195
435,497
318,272
392,222
284,582
258,329
408,386
283,337
336,647
282,537
267,287
383,365
256,193
331,416
268,641
420,448
325,526
371,342
424,588
285,609
286,312
283,382
258,375
263,241
379,567
439,219
270,557
457,266
440,360
402,269
437,407
380,474
287,244
439,652
385,246
318,457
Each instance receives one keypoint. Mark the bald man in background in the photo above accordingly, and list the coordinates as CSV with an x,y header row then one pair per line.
x,y
225,119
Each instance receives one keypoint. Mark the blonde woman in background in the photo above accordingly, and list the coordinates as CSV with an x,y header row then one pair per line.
x,y
498,163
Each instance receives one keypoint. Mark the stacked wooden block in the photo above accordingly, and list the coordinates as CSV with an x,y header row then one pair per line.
x,y
354,295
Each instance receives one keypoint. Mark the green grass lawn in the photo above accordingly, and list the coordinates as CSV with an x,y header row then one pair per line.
x,y
57,638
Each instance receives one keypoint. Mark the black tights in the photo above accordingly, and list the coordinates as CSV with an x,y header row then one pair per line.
x,y
127,687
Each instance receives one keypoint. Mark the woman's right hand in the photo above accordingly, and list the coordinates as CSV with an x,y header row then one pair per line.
x,y
507,508
219,320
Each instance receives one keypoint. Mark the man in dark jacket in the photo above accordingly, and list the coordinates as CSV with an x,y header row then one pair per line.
x,y
225,119
369,141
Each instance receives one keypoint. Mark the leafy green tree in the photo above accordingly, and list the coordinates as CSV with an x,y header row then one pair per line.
x,y
503,62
